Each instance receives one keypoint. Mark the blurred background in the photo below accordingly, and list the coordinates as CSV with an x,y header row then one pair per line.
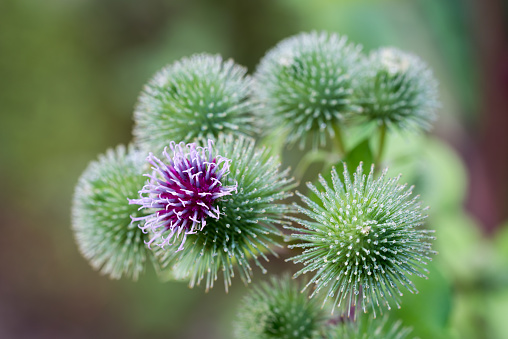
x,y
70,73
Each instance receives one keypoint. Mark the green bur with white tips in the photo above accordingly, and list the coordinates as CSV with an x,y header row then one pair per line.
x,y
364,240
101,214
277,310
194,99
306,84
396,89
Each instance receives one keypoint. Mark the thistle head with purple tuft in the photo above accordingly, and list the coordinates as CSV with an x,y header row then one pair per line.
x,y
182,192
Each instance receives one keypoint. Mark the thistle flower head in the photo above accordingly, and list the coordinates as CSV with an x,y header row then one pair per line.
x,y
101,220
397,89
246,227
194,99
363,239
368,327
305,85
279,310
182,192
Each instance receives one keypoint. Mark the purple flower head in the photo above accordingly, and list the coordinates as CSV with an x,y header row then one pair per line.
x,y
183,192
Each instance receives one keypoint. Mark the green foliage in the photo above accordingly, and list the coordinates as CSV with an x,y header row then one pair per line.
x,y
246,229
360,154
194,99
364,239
279,310
101,214
305,85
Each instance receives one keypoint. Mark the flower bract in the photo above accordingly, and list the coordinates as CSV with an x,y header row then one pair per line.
x,y
363,239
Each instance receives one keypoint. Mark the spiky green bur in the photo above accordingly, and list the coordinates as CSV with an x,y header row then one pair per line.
x,y
368,328
101,214
279,310
397,89
194,99
363,240
246,228
305,84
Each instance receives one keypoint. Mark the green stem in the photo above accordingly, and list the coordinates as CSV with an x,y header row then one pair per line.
x,y
382,139
338,142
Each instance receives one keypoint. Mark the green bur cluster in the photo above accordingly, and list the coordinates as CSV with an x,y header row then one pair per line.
x,y
363,240
101,214
194,99
362,237
396,89
278,310
305,85
246,229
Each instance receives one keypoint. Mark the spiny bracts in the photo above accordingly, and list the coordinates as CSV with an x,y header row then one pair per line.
x,y
305,85
364,239
101,214
397,89
193,100
277,309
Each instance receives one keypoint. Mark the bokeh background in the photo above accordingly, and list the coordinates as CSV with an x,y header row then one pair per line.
x,y
70,73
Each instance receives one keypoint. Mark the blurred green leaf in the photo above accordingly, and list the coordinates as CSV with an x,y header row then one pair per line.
x,y
360,153
432,166
459,243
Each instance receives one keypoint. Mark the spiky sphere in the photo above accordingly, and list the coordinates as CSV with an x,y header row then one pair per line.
x,y
246,228
182,192
363,240
279,310
368,328
101,220
194,99
397,89
305,84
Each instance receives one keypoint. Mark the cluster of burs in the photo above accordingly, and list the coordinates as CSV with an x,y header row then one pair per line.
x,y
197,196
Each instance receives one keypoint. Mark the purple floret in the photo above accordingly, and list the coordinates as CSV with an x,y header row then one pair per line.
x,y
182,193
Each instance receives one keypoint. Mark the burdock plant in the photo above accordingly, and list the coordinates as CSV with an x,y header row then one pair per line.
x,y
199,196
364,239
